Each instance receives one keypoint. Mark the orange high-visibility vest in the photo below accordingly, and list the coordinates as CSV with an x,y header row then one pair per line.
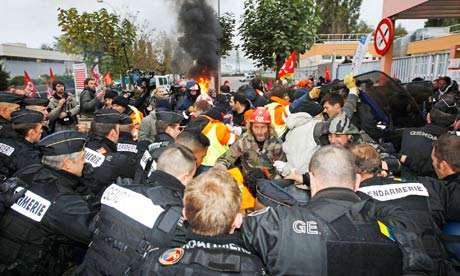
x,y
279,110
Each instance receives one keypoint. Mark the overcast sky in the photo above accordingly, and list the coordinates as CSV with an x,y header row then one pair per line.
x,y
34,22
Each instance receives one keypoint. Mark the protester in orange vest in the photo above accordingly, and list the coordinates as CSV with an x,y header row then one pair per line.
x,y
220,135
278,109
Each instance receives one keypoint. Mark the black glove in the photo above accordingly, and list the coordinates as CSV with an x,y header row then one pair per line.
x,y
8,193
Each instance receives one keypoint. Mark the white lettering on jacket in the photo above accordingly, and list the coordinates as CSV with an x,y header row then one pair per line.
x,y
6,150
134,205
31,205
145,158
394,191
94,158
126,147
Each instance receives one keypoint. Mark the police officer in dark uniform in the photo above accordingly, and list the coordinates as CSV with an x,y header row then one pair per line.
x,y
212,202
416,144
139,218
8,103
417,199
105,164
41,230
167,128
24,150
19,149
318,239
40,105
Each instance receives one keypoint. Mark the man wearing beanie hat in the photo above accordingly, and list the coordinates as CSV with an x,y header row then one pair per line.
x,y
19,151
108,98
42,230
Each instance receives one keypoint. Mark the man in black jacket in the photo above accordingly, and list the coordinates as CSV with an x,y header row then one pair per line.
x,y
88,99
211,207
136,219
8,104
317,239
44,227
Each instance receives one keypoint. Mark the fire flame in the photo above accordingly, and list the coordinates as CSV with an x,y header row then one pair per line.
x,y
203,82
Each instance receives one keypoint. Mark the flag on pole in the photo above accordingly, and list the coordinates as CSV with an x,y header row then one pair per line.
x,y
29,86
327,74
95,74
287,71
49,90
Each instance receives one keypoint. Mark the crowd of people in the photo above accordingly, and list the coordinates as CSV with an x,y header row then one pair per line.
x,y
338,178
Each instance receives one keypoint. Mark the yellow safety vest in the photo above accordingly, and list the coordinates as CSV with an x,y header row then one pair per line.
x,y
247,200
215,149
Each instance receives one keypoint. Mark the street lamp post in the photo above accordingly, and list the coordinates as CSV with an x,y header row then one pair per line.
x,y
218,60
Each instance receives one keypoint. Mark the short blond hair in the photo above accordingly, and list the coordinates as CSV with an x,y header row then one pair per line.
x,y
212,201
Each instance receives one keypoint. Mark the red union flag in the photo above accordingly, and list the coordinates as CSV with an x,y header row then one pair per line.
x,y
80,73
29,86
288,67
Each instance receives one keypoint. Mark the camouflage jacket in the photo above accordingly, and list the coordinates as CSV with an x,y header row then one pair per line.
x,y
251,156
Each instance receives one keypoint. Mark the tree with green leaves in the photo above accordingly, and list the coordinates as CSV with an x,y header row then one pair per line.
x,y
272,29
442,22
99,36
227,24
4,76
338,16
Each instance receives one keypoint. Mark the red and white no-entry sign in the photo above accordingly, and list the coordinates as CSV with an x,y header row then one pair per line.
x,y
383,36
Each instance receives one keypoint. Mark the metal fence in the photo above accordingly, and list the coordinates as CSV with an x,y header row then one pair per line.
x,y
428,67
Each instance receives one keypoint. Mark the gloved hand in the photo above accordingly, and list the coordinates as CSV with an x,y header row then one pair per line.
x,y
314,93
349,81
10,191
283,168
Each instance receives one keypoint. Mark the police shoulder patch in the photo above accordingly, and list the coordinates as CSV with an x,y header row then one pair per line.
x,y
171,256
6,149
94,158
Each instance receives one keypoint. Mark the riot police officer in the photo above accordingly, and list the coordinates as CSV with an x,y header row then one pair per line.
x,y
317,239
168,127
8,103
106,164
417,199
138,218
41,230
212,203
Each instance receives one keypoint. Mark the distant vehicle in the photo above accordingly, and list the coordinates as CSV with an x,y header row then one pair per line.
x,y
247,77
161,81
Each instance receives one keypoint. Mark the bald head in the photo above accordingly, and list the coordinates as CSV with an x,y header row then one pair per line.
x,y
332,167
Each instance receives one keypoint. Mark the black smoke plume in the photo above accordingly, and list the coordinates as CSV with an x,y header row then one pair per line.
x,y
200,32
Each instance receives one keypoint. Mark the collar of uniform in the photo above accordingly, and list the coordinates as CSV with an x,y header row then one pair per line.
x,y
106,143
66,178
434,129
3,121
452,177
164,137
220,239
167,181
377,180
125,137
337,194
